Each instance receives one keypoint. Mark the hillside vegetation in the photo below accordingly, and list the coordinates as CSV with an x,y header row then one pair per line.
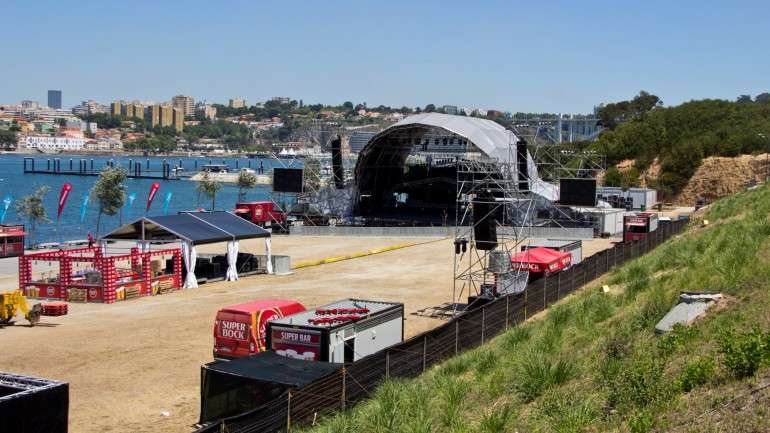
x,y
593,362
681,136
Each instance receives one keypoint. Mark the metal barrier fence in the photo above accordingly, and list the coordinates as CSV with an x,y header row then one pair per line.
x,y
358,380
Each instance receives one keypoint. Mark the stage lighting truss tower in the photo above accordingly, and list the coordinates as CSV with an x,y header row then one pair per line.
x,y
515,202
510,201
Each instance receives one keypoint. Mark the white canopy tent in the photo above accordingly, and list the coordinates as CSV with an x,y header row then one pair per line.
x,y
192,229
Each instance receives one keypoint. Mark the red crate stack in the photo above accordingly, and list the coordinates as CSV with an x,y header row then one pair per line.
x,y
109,277
54,308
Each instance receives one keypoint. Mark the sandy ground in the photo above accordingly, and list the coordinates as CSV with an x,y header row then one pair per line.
x,y
128,362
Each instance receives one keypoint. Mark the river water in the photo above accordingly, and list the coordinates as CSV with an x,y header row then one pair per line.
x,y
14,184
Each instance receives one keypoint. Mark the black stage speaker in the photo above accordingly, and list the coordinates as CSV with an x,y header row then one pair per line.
x,y
521,164
287,180
337,170
577,192
485,223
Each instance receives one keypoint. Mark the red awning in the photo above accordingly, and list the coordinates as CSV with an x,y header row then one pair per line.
x,y
12,233
541,259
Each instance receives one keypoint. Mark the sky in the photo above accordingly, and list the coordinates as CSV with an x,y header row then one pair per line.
x,y
560,56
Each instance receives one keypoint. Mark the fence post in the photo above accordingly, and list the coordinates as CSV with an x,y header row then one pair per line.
x,y
507,299
525,302
457,333
483,323
288,413
387,364
424,351
344,375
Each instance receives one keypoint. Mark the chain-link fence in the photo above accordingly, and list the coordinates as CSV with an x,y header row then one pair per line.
x,y
358,380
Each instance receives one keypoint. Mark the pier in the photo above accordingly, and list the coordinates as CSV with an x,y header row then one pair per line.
x,y
86,167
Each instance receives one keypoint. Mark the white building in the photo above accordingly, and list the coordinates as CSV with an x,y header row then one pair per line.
x,y
45,142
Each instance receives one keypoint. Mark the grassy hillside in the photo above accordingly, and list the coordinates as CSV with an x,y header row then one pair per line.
x,y
593,362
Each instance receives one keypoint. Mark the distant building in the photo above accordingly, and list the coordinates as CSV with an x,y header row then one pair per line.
x,y
152,115
45,142
127,110
450,109
207,111
166,115
116,108
358,140
178,119
30,105
54,99
89,107
281,99
237,103
184,103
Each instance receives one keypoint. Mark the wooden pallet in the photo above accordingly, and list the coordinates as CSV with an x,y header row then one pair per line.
x,y
165,286
77,295
133,292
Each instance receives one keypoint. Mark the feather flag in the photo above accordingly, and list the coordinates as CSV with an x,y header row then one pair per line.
x,y
6,204
84,207
153,190
63,196
166,202
130,201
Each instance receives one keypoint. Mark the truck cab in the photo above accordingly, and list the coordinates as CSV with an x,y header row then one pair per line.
x,y
239,330
262,213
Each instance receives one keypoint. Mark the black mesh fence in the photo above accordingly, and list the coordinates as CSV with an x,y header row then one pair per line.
x,y
410,358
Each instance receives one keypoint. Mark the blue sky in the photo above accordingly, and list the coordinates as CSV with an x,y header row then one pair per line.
x,y
509,55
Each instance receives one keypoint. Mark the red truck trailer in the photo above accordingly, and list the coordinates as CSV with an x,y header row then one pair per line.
x,y
636,227
239,330
11,240
262,213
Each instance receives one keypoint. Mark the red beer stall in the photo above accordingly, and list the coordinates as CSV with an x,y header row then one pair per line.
x,y
100,277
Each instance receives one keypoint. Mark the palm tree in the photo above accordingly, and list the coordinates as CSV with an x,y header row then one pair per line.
x,y
209,187
31,207
109,193
246,180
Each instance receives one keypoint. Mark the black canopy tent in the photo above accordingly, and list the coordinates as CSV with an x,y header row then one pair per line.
x,y
194,228
232,387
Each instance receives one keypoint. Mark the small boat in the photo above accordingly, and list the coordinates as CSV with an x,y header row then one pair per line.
x,y
215,168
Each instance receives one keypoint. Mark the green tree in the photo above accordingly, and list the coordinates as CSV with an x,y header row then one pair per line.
x,y
8,139
31,207
246,180
209,187
109,193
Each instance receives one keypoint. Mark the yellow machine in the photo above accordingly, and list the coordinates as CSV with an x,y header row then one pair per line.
x,y
13,302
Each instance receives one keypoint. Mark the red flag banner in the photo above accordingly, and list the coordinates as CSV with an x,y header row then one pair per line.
x,y
153,190
63,195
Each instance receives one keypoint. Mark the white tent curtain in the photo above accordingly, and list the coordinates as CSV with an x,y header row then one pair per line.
x,y
269,256
143,246
232,258
190,255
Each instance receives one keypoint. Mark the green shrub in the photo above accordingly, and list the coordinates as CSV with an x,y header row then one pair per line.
x,y
495,421
640,382
640,422
676,339
386,408
561,412
744,353
452,391
514,337
696,373
538,372
654,307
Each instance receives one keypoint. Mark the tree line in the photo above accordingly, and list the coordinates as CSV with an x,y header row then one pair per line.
x,y
681,136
